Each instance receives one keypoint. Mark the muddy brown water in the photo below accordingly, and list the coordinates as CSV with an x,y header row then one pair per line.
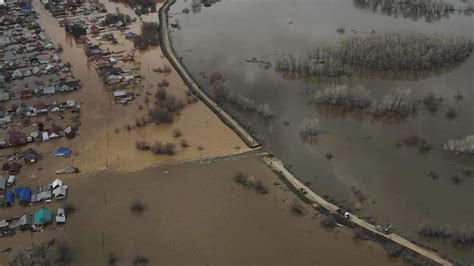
x,y
220,38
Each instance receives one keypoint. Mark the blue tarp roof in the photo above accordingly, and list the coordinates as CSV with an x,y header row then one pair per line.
x,y
62,151
9,197
24,193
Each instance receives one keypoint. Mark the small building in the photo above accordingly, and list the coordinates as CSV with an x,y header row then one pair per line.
x,y
24,194
42,216
24,222
14,168
17,138
60,192
3,183
61,216
43,195
57,183
9,198
30,156
62,152
11,180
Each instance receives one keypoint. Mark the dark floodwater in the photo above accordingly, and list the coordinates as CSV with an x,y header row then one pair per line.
x,y
219,38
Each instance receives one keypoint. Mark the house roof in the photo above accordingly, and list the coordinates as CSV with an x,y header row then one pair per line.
x,y
24,220
24,193
60,191
42,216
30,155
57,183
62,151
9,197
3,182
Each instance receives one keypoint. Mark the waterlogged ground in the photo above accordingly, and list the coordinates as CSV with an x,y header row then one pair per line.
x,y
221,37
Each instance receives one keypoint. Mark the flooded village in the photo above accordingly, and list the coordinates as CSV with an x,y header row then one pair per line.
x,y
114,153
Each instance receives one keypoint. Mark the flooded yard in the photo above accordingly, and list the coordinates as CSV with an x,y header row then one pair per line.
x,y
357,160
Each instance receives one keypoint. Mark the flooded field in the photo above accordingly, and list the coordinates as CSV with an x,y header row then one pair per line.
x,y
195,214
356,160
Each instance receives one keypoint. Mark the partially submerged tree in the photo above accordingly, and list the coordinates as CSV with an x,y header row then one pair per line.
x,y
462,146
396,102
310,128
344,96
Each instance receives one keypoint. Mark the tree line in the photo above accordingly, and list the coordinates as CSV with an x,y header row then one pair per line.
x,y
397,52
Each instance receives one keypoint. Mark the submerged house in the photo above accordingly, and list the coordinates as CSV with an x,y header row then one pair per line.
x,y
17,138
62,152
30,156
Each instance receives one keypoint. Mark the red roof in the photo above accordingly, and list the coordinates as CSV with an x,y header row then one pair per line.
x,y
17,138
40,106
14,168
52,131
127,57
94,29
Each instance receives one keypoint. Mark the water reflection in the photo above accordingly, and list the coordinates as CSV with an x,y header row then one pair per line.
x,y
427,10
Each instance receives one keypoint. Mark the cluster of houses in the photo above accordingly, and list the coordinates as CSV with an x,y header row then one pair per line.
x,y
41,132
63,8
26,51
93,22
52,88
25,196
35,222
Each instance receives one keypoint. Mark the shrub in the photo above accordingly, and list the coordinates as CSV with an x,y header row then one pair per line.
x,y
160,115
451,113
163,83
463,236
250,182
149,36
140,260
164,149
328,222
427,229
184,143
297,209
360,233
380,52
112,261
417,141
344,96
432,101
161,94
177,133
64,253
142,145
396,102
69,208
114,18
310,127
393,249
462,146
137,207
